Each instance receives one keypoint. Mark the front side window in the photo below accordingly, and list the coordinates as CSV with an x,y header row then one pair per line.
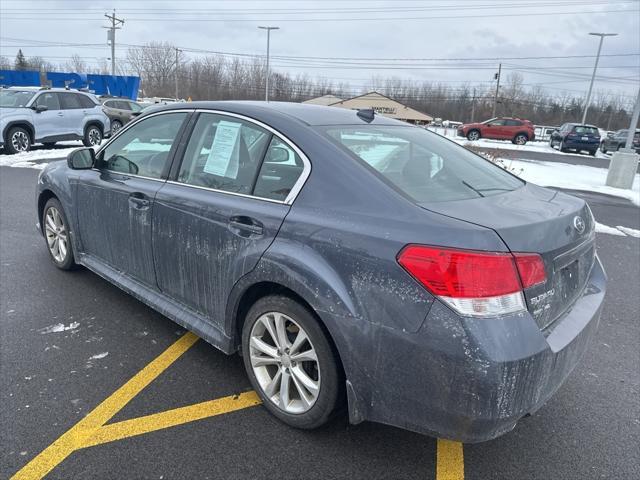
x,y
143,149
513,123
49,100
421,164
224,153
135,107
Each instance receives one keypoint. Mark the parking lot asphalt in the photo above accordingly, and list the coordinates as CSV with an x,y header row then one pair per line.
x,y
74,348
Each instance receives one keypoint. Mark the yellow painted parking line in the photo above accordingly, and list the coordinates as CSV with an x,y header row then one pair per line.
x,y
449,460
171,418
78,436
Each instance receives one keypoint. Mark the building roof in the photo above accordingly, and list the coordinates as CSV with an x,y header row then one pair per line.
x,y
323,100
383,105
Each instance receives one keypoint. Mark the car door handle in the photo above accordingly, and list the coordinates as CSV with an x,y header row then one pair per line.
x,y
60,114
139,200
245,226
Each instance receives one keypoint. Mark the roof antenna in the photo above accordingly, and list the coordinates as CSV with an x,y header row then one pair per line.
x,y
366,114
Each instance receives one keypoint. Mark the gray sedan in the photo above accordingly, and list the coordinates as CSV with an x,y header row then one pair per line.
x,y
351,259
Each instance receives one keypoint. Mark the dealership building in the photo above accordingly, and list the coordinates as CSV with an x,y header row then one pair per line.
x,y
379,103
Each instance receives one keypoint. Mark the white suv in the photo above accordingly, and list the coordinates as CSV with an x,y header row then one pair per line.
x,y
49,115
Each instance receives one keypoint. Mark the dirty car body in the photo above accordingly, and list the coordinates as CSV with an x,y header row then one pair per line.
x,y
355,220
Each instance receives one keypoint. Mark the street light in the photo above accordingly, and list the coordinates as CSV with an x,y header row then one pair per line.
x,y
268,29
595,67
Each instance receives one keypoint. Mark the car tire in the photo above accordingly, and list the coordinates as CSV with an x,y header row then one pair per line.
x,y
520,139
592,153
313,386
473,135
18,140
561,146
603,149
92,135
56,234
116,125
49,145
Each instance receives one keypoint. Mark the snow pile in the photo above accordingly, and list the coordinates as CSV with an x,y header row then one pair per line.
x,y
602,228
36,158
572,177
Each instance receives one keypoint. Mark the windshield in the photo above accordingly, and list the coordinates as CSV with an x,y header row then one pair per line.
x,y
422,164
15,98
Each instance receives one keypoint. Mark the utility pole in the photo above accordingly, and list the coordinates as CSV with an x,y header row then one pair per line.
x,y
111,37
268,29
634,123
593,76
495,99
177,66
473,106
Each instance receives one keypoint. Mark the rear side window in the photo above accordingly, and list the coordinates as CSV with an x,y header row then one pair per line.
x,y
122,105
582,130
49,100
86,102
512,123
69,101
224,153
423,165
280,171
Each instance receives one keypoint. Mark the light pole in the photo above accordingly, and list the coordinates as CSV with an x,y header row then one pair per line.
x,y
268,29
595,67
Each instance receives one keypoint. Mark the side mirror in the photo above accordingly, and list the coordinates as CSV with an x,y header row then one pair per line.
x,y
609,134
41,108
277,155
81,159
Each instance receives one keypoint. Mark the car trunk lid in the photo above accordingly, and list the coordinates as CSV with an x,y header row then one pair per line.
x,y
557,226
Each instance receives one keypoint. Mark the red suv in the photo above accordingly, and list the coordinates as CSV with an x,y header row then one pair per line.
x,y
515,129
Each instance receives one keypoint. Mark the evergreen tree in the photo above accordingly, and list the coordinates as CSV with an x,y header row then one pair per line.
x,y
21,61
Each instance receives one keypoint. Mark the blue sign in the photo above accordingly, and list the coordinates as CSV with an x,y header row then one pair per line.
x,y
114,85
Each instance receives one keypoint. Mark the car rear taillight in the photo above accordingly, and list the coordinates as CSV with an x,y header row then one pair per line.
x,y
474,283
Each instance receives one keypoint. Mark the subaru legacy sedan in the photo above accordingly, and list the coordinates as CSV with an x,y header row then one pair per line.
x,y
351,259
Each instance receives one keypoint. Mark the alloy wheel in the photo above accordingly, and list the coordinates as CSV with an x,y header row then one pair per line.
x,y
284,362
56,233
94,136
115,126
521,140
20,141
473,136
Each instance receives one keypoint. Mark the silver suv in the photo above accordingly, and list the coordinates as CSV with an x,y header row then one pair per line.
x,y
49,115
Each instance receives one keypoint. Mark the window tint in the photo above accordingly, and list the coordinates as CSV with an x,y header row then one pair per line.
x,y
69,101
86,102
49,100
134,106
122,105
422,164
498,122
224,153
144,148
512,123
280,170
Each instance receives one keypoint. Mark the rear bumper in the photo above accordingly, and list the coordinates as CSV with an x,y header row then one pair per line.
x,y
467,379
581,145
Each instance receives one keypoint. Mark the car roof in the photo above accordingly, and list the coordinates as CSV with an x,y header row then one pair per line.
x,y
581,125
264,111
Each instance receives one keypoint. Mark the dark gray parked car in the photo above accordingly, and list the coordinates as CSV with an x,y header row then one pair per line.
x,y
349,257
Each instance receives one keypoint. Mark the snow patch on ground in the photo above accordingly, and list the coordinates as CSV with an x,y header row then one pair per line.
x,y
98,356
602,228
59,327
27,159
572,177
632,232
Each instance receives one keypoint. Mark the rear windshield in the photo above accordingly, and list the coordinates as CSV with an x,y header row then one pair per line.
x,y
423,165
586,130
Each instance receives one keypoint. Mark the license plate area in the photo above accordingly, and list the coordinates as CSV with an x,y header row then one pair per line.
x,y
585,138
570,278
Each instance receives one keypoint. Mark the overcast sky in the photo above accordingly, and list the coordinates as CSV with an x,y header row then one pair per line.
x,y
374,30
